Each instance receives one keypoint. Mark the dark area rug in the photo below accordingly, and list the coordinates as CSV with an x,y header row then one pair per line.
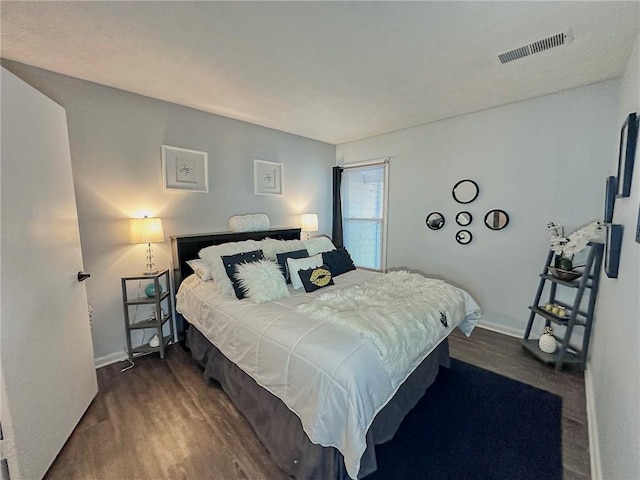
x,y
474,424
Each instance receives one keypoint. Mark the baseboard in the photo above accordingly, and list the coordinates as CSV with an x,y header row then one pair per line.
x,y
494,327
109,359
594,445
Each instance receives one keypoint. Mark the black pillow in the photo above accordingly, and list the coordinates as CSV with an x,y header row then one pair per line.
x,y
339,261
230,262
315,278
282,261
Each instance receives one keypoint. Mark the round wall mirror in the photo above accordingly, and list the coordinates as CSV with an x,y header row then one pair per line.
x,y
435,220
465,191
463,218
496,219
464,237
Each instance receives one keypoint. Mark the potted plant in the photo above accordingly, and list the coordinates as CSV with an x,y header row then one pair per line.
x,y
566,247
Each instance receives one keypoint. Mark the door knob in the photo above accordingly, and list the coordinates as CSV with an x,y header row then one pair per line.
x,y
83,276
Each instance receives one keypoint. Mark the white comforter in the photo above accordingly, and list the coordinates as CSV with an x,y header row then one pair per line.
x,y
333,378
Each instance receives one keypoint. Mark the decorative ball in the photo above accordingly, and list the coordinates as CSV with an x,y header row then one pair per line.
x,y
547,343
150,290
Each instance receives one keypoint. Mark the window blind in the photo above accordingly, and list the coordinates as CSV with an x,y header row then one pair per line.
x,y
364,211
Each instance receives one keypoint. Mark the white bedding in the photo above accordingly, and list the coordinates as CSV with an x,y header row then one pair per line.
x,y
334,379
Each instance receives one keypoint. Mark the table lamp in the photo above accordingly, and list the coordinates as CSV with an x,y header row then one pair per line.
x,y
309,223
147,230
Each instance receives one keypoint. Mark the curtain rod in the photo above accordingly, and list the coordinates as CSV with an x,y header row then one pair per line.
x,y
365,163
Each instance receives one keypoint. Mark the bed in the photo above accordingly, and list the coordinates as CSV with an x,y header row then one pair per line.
x,y
318,392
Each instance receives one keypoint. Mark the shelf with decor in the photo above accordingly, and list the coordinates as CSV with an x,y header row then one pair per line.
x,y
564,349
157,294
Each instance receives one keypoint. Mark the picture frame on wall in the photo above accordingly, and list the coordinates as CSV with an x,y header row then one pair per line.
x,y
185,169
267,177
638,226
610,198
626,154
613,246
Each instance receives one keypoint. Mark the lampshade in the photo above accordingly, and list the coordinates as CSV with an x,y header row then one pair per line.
x,y
309,222
146,230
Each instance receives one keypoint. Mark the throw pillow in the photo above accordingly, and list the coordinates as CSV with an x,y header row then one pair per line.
x,y
317,245
282,261
315,278
261,281
339,261
295,265
201,269
230,262
271,247
212,255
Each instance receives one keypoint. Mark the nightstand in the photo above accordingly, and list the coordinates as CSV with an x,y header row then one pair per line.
x,y
158,318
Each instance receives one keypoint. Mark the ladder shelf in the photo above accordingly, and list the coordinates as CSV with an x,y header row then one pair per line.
x,y
567,352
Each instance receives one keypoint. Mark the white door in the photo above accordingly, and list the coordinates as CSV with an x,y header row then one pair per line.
x,y
46,354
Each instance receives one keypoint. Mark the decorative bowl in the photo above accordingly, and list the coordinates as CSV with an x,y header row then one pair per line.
x,y
566,275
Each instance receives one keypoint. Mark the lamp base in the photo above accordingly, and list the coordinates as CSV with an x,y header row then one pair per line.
x,y
150,272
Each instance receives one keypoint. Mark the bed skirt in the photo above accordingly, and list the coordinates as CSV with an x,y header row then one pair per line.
x,y
280,430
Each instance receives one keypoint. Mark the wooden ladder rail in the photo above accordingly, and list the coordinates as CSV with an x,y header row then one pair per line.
x,y
536,301
575,307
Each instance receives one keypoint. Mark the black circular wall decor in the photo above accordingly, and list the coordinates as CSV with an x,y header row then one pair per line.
x,y
464,218
435,220
465,191
464,237
496,219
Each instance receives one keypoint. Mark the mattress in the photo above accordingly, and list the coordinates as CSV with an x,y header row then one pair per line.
x,y
332,379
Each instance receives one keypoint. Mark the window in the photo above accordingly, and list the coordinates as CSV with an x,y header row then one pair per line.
x,y
364,206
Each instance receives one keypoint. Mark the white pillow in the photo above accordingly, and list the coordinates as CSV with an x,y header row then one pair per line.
x,y
317,245
211,255
251,222
270,247
297,264
201,269
262,281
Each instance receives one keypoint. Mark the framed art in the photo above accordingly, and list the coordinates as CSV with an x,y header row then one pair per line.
x,y
626,154
184,169
267,178
638,226
610,198
612,250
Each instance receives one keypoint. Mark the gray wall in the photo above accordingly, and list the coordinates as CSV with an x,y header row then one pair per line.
x,y
539,160
115,140
613,376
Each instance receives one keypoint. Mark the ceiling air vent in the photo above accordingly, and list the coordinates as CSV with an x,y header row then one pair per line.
x,y
536,47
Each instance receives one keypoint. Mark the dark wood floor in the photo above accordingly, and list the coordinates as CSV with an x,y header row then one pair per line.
x,y
161,420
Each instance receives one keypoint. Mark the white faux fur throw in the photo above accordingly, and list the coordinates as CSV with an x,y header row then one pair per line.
x,y
404,315
251,222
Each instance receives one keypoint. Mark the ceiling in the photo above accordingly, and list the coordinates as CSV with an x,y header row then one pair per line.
x,y
331,71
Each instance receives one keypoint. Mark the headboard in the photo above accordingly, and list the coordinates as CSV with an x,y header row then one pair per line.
x,y
186,247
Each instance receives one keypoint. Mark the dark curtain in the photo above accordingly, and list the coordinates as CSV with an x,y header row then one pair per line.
x,y
336,233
